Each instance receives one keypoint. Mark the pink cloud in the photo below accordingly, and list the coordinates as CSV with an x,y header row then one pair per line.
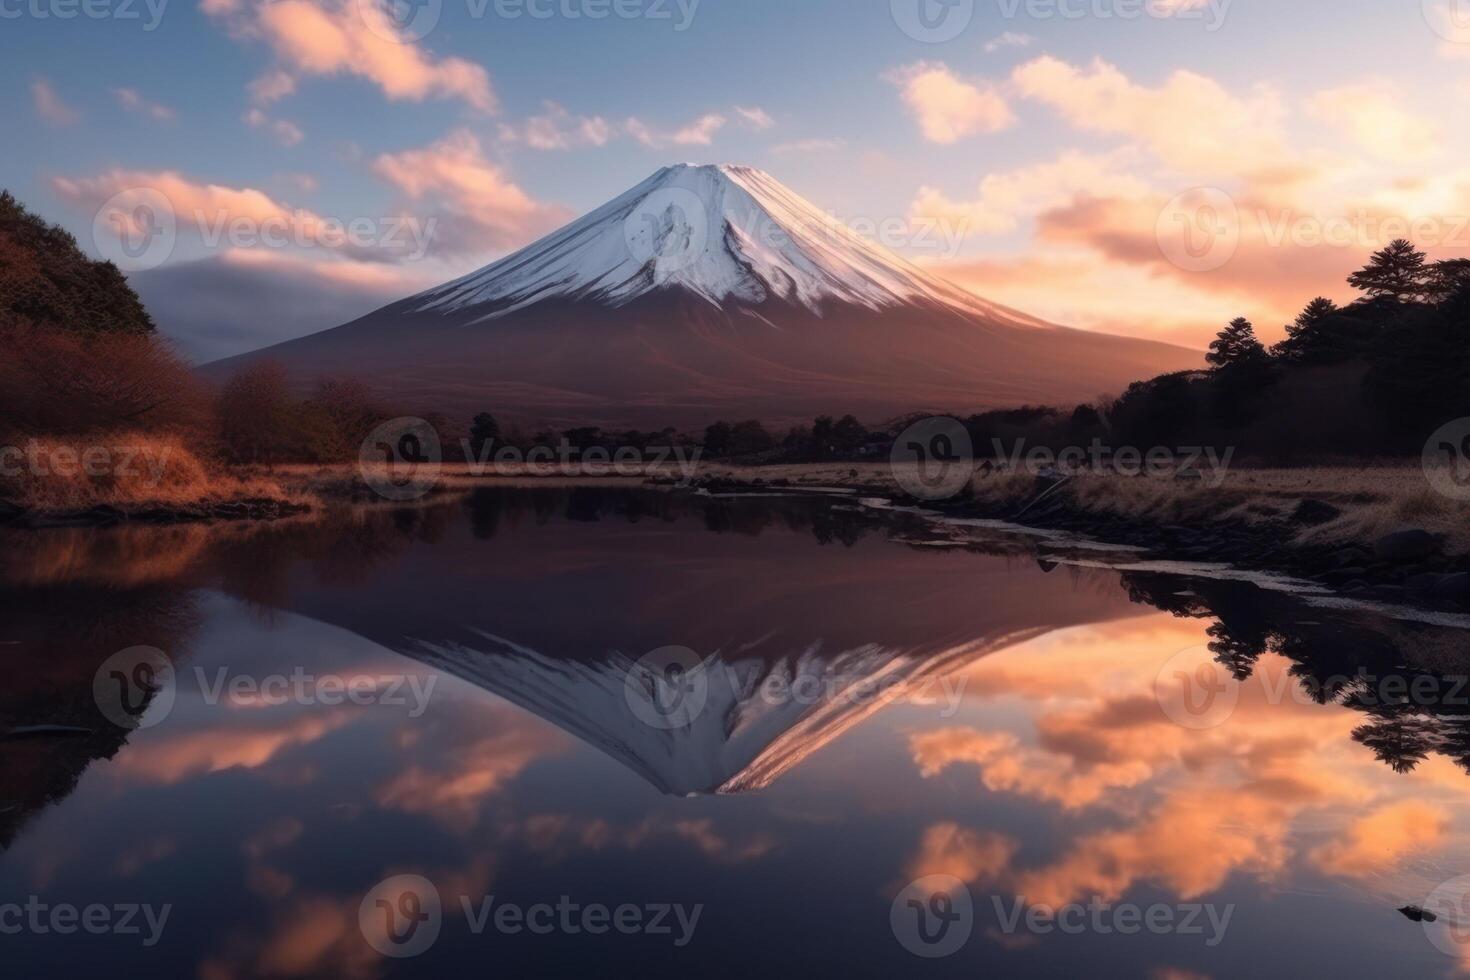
x,y
346,37
49,105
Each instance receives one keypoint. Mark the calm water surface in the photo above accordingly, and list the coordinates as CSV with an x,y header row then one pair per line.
x,y
873,708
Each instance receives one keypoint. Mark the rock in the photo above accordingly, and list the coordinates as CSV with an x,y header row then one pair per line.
x,y
1315,512
1423,582
1406,546
1415,914
1452,588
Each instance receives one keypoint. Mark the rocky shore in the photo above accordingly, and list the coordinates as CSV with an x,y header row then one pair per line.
x,y
1409,565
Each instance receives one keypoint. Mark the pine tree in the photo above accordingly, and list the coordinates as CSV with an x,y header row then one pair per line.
x,y
1448,278
1397,271
1236,344
1300,332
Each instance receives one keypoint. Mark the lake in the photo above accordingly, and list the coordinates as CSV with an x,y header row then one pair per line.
x,y
550,730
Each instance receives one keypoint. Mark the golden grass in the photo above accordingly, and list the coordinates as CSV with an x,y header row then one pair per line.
x,y
1375,499
126,470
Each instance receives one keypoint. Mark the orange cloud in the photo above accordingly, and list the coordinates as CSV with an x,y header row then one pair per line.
x,y
948,107
1388,834
1191,122
1372,114
969,855
481,207
354,38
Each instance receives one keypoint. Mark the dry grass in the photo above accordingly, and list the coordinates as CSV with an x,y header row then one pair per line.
x,y
1374,499
134,470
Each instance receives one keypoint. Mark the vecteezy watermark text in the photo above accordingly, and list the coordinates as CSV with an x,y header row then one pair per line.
x,y
1197,692
138,687
40,918
87,10
41,459
671,687
935,916
403,916
1210,464
939,21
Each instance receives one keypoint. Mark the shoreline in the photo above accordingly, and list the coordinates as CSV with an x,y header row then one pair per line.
x,y
1315,524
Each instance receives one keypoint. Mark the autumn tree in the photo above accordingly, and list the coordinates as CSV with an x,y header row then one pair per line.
x,y
256,414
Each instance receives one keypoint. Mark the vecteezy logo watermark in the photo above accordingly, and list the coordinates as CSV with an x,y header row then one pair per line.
x,y
933,459
90,9
667,689
299,687
1199,230
42,459
933,21
1450,19
136,229
407,21
933,917
670,688
1212,12
135,688
1124,918
668,230
403,916
563,459
1447,460
401,21
1205,463
1445,916
401,459
1194,691
64,919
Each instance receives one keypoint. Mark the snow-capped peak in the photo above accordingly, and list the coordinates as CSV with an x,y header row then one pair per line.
x,y
732,235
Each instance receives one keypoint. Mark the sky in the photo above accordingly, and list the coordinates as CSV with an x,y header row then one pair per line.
x,y
1145,167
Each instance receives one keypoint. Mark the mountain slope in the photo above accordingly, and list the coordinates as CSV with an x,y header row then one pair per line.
x,y
710,292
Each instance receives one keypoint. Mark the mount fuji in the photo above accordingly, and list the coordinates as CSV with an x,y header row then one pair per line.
x,y
710,292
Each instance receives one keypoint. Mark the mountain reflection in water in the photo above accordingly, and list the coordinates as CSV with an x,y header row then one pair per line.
x,y
978,712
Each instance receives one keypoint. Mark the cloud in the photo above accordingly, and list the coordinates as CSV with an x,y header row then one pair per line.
x,y
130,100
558,129
948,107
477,206
49,105
756,117
1010,39
1387,835
969,855
1005,198
1372,115
349,37
273,86
286,132
701,132
1191,122
809,146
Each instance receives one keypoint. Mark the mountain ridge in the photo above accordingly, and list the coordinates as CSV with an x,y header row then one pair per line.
x,y
710,292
